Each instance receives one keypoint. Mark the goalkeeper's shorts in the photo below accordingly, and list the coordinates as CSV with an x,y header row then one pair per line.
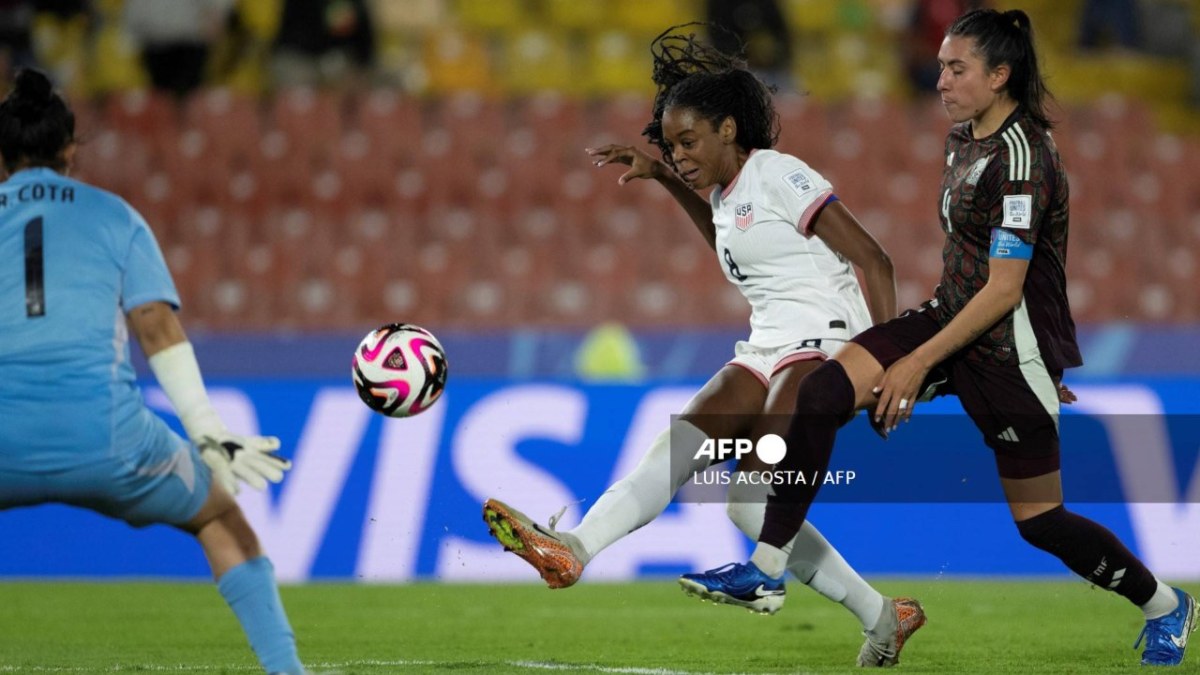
x,y
161,481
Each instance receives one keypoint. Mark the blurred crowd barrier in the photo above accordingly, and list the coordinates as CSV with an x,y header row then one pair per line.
x,y
319,209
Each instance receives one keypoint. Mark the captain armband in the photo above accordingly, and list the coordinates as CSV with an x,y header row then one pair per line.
x,y
1005,244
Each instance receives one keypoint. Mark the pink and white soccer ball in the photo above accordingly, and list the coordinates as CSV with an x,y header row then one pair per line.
x,y
399,370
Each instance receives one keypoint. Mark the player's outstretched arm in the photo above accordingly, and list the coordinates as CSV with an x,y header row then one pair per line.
x,y
642,165
231,457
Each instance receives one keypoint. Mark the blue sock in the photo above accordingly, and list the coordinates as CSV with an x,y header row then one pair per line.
x,y
251,592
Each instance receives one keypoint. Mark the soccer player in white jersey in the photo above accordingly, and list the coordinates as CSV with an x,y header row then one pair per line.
x,y
81,270
786,241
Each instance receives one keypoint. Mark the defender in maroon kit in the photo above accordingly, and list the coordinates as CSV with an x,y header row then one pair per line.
x,y
998,332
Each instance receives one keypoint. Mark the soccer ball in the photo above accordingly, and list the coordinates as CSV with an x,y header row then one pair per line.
x,y
399,370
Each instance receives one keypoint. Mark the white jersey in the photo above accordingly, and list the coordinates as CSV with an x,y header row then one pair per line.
x,y
798,288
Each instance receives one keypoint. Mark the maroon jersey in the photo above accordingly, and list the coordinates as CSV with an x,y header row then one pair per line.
x,y
1006,196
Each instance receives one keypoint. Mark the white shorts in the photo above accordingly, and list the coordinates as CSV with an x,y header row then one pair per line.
x,y
764,362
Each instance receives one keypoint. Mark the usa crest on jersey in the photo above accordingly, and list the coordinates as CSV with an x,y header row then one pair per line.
x,y
743,215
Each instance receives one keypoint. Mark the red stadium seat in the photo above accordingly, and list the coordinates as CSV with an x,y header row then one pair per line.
x,y
566,303
311,119
144,113
472,119
804,129
116,160
622,117
255,268
90,116
391,121
483,212
552,113
485,303
231,121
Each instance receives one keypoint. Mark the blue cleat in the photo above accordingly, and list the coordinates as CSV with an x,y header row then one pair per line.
x,y
737,584
1166,637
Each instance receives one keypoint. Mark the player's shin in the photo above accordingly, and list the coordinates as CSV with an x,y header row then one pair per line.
x,y
251,593
1091,551
824,402
641,496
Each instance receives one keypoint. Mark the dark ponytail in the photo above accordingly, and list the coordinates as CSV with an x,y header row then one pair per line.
x,y
691,74
35,123
1007,38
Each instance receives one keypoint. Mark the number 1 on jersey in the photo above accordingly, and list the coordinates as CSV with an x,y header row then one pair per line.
x,y
35,286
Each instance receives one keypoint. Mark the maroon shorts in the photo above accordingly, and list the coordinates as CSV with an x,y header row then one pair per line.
x,y
1002,401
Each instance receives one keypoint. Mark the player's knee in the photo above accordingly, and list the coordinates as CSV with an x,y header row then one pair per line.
x,y
1041,530
678,445
215,505
222,520
827,391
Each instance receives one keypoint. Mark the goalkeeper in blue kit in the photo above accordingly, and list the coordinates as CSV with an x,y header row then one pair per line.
x,y
81,271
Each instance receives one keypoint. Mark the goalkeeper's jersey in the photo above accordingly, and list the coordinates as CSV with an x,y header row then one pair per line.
x,y
75,259
798,288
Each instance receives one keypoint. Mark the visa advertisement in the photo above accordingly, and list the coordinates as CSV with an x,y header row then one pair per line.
x,y
379,500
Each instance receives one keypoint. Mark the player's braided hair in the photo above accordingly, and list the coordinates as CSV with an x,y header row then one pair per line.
x,y
692,74
1007,38
35,123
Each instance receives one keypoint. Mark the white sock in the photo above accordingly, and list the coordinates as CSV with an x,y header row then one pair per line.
x,y
641,496
810,557
833,577
771,560
1163,602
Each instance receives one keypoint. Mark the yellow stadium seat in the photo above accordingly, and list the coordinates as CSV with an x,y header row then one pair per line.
x,y
577,14
457,60
1083,78
61,47
811,16
408,17
260,17
618,62
492,15
115,64
538,60
655,16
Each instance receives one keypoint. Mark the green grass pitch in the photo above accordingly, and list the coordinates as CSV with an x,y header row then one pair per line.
x,y
642,628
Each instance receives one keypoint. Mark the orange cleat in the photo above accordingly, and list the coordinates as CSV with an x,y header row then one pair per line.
x,y
898,625
541,547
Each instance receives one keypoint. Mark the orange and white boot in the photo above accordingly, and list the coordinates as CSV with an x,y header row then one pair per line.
x,y
548,551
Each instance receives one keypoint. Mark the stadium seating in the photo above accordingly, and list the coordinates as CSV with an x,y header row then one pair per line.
x,y
459,189
319,211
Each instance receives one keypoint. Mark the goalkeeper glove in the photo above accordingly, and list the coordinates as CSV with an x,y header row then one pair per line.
x,y
251,459
218,465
